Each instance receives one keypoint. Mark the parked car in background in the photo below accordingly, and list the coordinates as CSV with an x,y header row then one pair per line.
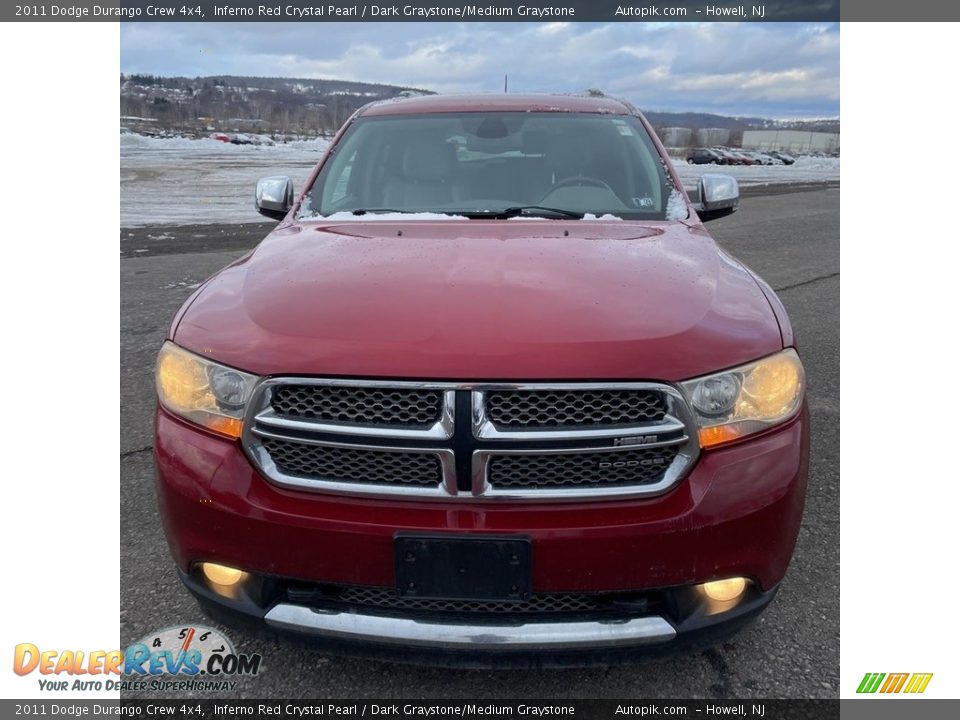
x,y
704,156
220,137
406,425
762,158
726,157
783,157
743,158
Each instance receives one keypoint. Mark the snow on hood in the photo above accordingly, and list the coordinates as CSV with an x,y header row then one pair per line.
x,y
379,217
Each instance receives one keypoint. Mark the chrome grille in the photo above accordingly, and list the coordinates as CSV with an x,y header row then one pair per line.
x,y
358,405
353,465
512,442
573,408
555,470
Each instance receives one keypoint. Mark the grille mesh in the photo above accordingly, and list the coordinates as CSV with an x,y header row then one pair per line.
x,y
520,409
359,405
295,453
630,467
386,598
356,466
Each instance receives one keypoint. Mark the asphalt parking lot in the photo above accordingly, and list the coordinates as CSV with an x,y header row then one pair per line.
x,y
791,238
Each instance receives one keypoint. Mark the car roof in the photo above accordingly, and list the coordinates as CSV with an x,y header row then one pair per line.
x,y
497,103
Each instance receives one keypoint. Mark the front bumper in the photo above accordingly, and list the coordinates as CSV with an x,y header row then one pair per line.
x,y
630,629
736,514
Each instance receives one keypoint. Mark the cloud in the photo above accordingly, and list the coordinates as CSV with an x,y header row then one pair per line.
x,y
767,69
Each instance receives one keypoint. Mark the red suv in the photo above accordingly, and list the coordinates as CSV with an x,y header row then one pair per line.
x,y
488,392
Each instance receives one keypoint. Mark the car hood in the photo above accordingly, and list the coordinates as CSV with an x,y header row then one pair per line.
x,y
483,300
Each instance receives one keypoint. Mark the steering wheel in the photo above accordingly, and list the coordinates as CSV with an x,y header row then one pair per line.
x,y
580,180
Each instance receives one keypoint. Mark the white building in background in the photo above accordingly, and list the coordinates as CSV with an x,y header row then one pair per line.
x,y
709,137
676,136
797,141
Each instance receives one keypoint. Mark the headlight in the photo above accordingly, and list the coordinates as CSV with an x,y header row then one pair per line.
x,y
203,391
747,399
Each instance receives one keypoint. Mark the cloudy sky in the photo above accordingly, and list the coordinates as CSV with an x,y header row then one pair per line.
x,y
788,70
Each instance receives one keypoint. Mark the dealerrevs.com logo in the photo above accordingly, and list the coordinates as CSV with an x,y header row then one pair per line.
x,y
888,683
193,657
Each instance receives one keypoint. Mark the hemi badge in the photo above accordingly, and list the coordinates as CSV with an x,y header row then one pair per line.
x,y
636,440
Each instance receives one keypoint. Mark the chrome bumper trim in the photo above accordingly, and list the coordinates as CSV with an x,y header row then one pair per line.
x,y
524,636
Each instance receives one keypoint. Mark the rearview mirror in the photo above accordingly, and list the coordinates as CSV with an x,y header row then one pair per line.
x,y
719,196
274,196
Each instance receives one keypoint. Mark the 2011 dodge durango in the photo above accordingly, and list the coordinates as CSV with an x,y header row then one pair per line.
x,y
488,392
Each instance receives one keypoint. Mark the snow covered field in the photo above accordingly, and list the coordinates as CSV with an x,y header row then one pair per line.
x,y
181,182
804,170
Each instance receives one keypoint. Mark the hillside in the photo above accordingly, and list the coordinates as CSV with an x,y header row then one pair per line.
x,y
316,106
697,120
233,103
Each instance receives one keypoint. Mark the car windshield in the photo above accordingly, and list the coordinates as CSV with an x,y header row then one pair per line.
x,y
478,164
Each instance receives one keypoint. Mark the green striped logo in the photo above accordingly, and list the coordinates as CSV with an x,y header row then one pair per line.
x,y
886,683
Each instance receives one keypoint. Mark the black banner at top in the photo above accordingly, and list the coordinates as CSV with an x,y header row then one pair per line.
x,y
429,10
481,11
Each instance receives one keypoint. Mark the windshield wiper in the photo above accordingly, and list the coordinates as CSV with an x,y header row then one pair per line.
x,y
366,211
531,210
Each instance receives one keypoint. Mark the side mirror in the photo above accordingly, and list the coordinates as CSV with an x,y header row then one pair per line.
x,y
719,196
274,196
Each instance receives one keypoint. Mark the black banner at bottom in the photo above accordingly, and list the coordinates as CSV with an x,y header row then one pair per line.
x,y
427,709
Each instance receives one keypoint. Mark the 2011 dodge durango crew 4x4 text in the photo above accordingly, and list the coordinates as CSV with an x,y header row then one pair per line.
x,y
489,392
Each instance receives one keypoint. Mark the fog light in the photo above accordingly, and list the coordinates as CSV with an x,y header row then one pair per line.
x,y
725,590
222,574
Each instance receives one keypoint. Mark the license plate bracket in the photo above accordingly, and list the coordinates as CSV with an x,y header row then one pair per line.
x,y
463,568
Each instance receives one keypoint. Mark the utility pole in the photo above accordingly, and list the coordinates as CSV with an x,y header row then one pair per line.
x,y
504,82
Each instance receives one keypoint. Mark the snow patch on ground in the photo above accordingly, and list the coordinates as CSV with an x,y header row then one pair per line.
x,y
178,181
817,163
133,141
182,285
804,170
